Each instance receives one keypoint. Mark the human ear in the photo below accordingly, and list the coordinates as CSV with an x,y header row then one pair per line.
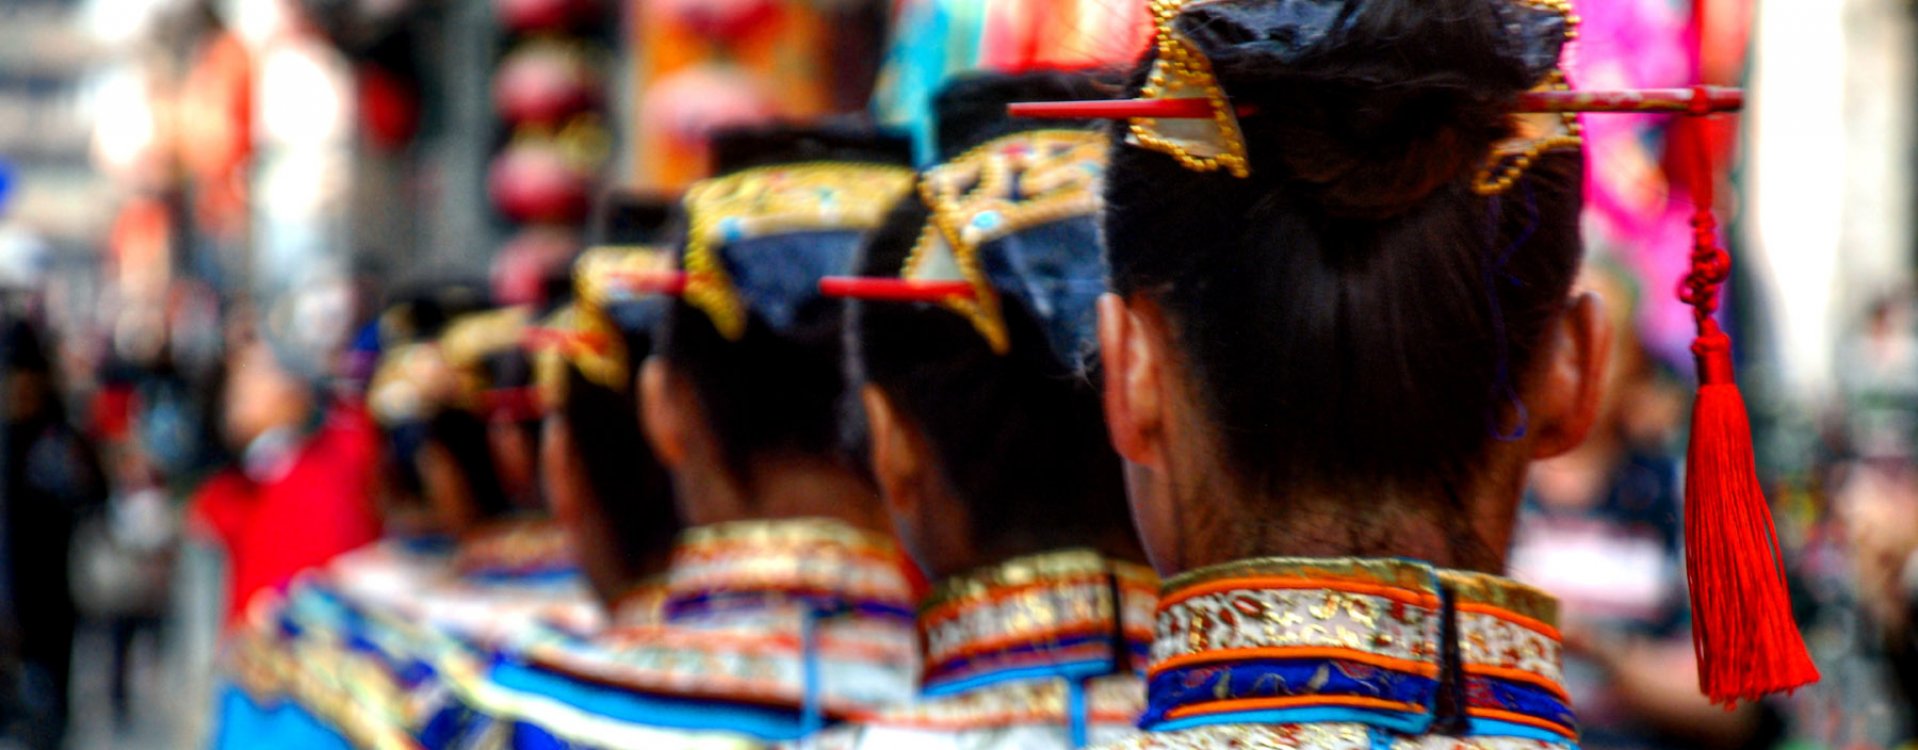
x,y
1566,396
1133,363
663,399
898,455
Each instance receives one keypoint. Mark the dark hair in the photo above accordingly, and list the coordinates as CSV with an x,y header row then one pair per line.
x,y
463,435
629,486
776,390
1020,437
1354,314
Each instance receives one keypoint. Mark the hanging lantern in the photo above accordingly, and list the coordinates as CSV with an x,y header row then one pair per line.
x,y
528,16
544,82
534,180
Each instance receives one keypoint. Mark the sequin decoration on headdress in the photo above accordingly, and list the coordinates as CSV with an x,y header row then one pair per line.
x,y
727,214
1207,136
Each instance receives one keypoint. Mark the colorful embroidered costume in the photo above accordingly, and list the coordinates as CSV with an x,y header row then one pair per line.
x,y
770,629
1353,654
1026,653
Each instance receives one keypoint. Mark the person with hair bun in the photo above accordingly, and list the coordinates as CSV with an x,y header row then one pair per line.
x,y
787,603
1343,324
987,438
601,479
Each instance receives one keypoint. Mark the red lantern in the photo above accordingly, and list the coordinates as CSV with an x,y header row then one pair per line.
x,y
534,181
720,19
526,16
389,106
543,83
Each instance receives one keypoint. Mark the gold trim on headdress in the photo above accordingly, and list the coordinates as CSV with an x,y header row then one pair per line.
x,y
1000,188
583,334
1205,144
813,196
411,382
470,339
1181,71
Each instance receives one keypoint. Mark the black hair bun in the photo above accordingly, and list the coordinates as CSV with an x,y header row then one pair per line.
x,y
742,148
630,218
1371,105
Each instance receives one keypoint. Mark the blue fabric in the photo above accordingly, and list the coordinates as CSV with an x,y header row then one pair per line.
x,y
1069,670
1281,678
778,275
1518,697
937,676
1057,270
637,314
680,607
652,710
1404,723
530,737
243,724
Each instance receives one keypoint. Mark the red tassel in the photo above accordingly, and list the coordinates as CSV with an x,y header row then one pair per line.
x,y
1742,629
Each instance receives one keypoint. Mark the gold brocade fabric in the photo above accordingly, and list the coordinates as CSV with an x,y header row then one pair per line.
x,y
1005,648
1328,654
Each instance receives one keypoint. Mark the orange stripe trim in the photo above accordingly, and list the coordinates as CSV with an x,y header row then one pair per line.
x,y
1001,594
1509,616
1269,582
996,720
1268,704
1002,642
1236,654
1518,718
1520,675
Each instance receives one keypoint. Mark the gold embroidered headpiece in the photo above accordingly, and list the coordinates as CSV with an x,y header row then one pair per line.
x,y
1001,188
586,334
728,214
1184,112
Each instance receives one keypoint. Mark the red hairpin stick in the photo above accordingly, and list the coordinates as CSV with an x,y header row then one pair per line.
x,y
543,338
670,283
1699,100
893,290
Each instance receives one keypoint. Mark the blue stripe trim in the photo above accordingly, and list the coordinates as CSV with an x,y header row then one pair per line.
x,y
735,601
1202,684
1494,728
652,710
983,663
1069,670
1396,721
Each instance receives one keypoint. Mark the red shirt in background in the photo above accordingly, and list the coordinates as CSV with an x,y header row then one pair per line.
x,y
319,507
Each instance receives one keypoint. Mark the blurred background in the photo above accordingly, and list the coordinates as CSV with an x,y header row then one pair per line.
x,y
183,182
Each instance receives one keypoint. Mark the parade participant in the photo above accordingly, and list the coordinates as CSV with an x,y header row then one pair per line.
x,y
449,400
988,441
1343,328
602,481
1343,325
787,603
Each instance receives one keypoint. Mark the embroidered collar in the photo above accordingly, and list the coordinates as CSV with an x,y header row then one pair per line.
x,y
823,565
1070,614
517,550
1394,644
